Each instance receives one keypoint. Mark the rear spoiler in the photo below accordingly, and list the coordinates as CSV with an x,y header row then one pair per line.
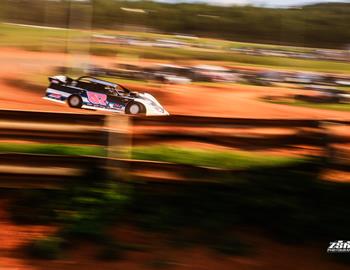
x,y
60,79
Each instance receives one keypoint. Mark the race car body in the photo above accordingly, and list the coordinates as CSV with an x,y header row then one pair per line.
x,y
92,93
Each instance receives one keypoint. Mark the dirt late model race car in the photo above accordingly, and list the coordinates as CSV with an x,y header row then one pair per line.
x,y
92,93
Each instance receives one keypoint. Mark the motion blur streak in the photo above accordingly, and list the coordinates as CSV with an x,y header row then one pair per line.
x,y
245,166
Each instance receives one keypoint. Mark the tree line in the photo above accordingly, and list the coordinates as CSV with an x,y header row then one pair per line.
x,y
320,25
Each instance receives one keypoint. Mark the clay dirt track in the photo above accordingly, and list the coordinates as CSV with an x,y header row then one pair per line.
x,y
224,101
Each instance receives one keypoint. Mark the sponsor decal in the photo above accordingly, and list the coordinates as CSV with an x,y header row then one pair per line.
x,y
339,246
56,96
115,106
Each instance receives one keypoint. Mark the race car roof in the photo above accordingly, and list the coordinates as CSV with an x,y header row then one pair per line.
x,y
95,80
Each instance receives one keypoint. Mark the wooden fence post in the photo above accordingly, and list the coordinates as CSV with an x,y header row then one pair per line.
x,y
118,145
329,151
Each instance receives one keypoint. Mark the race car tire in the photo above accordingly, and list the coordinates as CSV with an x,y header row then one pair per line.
x,y
135,108
75,101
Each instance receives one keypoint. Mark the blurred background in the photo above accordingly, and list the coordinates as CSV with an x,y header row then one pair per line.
x,y
251,169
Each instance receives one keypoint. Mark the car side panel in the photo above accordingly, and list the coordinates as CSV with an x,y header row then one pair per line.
x,y
118,103
102,101
59,92
91,99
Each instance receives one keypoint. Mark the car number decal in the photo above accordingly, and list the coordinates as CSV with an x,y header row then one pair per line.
x,y
97,98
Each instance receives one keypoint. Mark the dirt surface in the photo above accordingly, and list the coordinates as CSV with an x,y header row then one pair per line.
x,y
267,254
223,100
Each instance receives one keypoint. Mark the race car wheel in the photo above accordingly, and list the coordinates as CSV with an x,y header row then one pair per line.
x,y
134,108
75,101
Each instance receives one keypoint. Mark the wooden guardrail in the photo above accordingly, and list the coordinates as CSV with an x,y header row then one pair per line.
x,y
21,170
72,128
207,121
52,117
234,132
69,128
171,120
53,127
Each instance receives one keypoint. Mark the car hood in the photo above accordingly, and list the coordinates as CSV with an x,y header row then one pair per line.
x,y
149,97
151,103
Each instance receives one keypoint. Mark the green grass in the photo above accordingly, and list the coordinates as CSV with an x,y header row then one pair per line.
x,y
197,157
323,106
207,41
249,60
344,88
53,149
56,40
46,248
210,158
32,38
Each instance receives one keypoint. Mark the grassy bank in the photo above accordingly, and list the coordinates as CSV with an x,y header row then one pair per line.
x,y
290,205
57,40
322,106
52,149
210,158
197,157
